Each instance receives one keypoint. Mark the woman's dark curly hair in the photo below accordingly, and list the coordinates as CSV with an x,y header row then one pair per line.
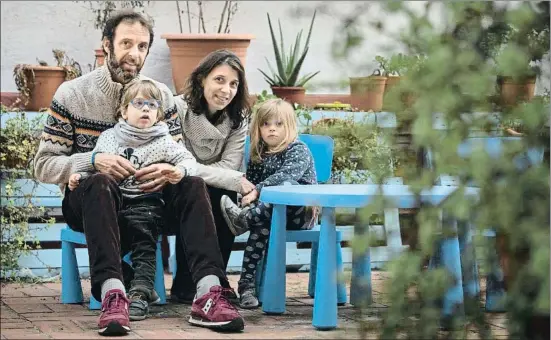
x,y
239,108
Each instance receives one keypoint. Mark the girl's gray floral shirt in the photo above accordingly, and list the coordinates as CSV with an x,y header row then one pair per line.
x,y
295,163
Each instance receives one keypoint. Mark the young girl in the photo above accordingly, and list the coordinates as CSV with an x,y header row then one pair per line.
x,y
143,138
277,158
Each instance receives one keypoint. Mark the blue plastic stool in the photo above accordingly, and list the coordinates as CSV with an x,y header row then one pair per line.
x,y
71,287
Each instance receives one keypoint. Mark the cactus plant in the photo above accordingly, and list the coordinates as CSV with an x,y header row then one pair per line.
x,y
288,65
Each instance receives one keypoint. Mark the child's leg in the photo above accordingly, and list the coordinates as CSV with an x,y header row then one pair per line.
x,y
142,222
259,219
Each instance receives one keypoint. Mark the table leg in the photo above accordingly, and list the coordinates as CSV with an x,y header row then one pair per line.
x,y
360,286
450,259
273,294
325,300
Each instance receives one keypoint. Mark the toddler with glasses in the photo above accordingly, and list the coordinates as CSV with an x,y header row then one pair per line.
x,y
143,138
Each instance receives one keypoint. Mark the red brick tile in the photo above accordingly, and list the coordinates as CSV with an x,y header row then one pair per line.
x,y
16,324
161,323
71,309
57,326
82,335
86,322
12,290
39,290
7,313
22,308
30,300
169,334
43,316
23,334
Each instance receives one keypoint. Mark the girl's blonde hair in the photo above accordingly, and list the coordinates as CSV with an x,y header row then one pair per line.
x,y
148,89
278,109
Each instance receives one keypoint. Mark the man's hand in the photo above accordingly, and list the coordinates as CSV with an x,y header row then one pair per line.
x,y
74,181
173,175
114,165
154,174
249,198
246,186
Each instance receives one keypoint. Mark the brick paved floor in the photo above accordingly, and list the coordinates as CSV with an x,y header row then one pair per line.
x,y
33,311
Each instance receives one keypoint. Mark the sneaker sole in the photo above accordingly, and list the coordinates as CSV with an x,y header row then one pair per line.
x,y
137,317
233,325
227,219
114,328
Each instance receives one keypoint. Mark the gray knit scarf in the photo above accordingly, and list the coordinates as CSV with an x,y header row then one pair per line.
x,y
205,139
128,135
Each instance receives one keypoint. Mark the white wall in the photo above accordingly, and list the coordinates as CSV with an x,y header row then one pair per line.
x,y
31,29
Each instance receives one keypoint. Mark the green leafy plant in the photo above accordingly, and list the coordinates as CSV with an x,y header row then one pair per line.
x,y
360,154
288,64
18,143
455,81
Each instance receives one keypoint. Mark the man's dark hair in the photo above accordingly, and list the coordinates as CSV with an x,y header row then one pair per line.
x,y
239,108
128,16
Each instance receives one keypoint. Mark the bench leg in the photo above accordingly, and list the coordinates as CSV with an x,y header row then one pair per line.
x,y
451,260
160,275
495,287
71,288
360,286
94,304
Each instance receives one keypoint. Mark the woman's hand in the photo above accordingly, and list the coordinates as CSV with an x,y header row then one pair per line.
x,y
249,198
246,186
173,175
74,181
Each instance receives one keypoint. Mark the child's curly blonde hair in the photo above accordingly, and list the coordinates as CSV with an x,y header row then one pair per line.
x,y
272,108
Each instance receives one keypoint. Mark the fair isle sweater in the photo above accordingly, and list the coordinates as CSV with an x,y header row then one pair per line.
x,y
218,148
81,110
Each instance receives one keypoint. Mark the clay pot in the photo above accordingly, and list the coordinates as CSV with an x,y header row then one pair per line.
x,y
368,92
391,82
291,94
187,51
512,91
100,57
46,81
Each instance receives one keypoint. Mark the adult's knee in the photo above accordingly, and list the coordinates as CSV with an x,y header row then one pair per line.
x,y
101,185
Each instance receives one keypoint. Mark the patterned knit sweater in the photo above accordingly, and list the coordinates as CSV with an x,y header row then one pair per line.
x,y
81,109
218,148
158,147
295,163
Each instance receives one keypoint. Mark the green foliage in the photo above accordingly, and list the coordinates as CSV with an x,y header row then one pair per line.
x,y
288,65
456,80
18,143
398,64
358,147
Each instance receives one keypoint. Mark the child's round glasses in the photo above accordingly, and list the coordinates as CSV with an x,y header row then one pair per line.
x,y
139,103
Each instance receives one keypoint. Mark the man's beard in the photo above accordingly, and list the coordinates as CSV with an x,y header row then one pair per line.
x,y
118,72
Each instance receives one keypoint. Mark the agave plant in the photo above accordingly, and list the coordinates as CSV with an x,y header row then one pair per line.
x,y
288,65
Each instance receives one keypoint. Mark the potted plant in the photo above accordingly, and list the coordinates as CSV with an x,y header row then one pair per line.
x,y
38,83
285,83
188,49
102,11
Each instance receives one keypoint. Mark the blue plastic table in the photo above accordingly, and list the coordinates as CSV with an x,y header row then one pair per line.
x,y
329,197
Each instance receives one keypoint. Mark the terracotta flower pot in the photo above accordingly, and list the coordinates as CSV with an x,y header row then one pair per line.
x,y
187,51
391,82
512,91
290,94
100,57
46,81
368,91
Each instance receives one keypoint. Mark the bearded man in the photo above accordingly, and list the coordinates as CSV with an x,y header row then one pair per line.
x,y
81,109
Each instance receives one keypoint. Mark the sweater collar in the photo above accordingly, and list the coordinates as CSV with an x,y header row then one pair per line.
x,y
111,88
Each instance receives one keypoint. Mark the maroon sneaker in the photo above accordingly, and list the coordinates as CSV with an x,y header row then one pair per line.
x,y
114,319
214,310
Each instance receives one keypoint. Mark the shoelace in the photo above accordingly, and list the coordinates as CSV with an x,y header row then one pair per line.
x,y
222,299
114,303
